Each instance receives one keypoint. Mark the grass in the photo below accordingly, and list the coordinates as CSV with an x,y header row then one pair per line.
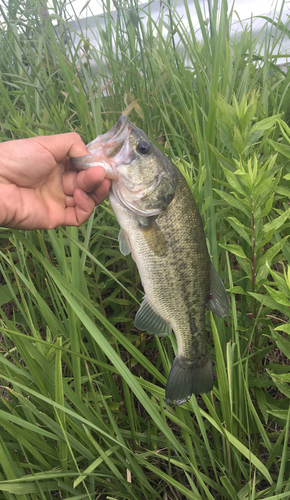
x,y
82,409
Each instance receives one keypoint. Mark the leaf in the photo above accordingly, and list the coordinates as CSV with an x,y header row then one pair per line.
x,y
227,140
283,414
270,302
276,223
24,488
235,202
245,264
268,206
265,124
233,181
223,383
222,159
284,149
139,111
280,383
253,138
279,297
270,254
281,342
241,448
248,115
284,328
205,205
226,113
284,377
243,231
238,290
5,294
75,298
235,250
262,403
238,142
283,191
262,188
94,465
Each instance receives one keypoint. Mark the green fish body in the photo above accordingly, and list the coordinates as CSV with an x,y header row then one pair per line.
x,y
161,226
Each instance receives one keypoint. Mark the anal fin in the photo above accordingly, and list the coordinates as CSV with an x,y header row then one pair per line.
x,y
148,320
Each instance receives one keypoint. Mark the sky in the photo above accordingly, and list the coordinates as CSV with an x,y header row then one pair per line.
x,y
244,8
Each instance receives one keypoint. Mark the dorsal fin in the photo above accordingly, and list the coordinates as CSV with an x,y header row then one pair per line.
x,y
218,301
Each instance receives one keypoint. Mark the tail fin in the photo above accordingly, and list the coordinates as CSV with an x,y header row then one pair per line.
x,y
187,378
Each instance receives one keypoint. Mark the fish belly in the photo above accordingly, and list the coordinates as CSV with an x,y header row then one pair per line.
x,y
173,263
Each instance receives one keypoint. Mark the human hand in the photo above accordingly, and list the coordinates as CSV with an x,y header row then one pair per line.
x,y
40,189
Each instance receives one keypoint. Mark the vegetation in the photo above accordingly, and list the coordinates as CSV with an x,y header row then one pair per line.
x,y
82,412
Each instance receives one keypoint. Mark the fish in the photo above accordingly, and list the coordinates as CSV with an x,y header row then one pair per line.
x,y
161,226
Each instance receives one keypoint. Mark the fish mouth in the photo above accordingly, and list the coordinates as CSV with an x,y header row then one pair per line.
x,y
105,150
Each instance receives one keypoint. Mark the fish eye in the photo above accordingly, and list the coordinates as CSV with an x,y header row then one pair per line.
x,y
143,147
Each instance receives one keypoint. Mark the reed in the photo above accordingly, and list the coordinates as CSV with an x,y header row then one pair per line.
x,y
82,409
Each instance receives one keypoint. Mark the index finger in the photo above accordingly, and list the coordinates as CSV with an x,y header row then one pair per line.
x,y
62,145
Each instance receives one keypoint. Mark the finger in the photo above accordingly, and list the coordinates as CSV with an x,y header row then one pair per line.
x,y
87,180
62,145
69,183
84,207
98,195
69,201
101,193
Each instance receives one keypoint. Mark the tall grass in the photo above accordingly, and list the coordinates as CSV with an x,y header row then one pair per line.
x,y
82,408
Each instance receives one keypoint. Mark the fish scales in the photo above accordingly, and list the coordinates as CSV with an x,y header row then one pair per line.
x,y
162,227
177,283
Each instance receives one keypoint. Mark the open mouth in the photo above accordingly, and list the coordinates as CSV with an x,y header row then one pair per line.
x,y
105,147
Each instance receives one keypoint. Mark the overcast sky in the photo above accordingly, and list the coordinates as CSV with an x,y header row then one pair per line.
x,y
244,8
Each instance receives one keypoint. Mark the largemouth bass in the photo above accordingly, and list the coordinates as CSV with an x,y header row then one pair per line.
x,y
161,226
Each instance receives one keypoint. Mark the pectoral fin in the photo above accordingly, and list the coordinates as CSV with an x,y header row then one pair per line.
x,y
123,243
218,302
153,236
148,320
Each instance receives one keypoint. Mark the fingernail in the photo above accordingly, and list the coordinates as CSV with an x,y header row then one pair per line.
x,y
84,195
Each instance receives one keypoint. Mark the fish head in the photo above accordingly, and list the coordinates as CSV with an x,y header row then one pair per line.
x,y
146,178
143,179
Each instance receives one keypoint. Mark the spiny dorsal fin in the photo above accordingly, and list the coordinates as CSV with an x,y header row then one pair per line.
x,y
147,319
218,302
